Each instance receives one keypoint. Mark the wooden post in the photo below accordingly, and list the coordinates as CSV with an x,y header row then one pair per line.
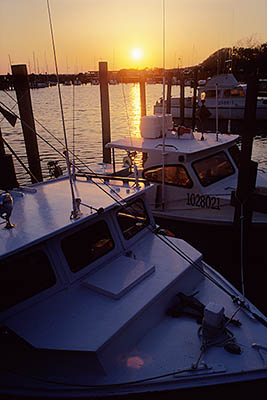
x,y
182,101
8,179
2,149
169,94
142,95
21,85
105,115
194,99
246,175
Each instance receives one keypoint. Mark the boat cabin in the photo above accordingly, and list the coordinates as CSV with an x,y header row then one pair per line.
x,y
199,170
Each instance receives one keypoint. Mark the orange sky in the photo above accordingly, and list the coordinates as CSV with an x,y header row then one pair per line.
x,y
89,31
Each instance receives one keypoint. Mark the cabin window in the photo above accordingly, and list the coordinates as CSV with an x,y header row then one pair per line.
x,y
237,92
174,175
235,154
210,93
214,168
87,245
133,218
23,276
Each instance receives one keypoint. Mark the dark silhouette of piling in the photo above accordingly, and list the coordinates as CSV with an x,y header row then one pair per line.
x,y
182,100
169,94
21,85
8,179
142,84
194,106
105,114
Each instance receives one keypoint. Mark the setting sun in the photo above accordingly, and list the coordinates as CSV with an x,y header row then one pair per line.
x,y
137,54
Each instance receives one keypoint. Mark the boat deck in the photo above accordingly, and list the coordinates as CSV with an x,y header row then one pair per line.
x,y
38,214
173,143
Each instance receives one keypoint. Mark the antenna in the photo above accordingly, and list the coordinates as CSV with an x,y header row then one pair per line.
x,y
75,211
163,107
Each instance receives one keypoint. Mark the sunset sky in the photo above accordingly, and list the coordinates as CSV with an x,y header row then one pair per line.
x,y
89,31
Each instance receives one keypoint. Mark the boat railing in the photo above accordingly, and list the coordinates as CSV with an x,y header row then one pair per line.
x,y
109,177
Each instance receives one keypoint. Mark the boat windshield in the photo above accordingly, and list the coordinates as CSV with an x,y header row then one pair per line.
x,y
213,168
86,245
24,275
133,218
174,175
236,92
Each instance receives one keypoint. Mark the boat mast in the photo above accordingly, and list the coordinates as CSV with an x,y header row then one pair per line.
x,y
75,211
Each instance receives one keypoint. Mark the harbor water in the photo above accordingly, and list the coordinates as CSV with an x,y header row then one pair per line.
x,y
82,117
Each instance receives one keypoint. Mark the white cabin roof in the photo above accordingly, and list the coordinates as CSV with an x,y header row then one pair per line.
x,y
222,80
45,209
174,144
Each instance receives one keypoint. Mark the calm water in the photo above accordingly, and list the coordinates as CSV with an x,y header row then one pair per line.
x,y
82,116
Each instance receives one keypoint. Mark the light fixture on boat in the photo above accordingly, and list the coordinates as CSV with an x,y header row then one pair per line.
x,y
6,207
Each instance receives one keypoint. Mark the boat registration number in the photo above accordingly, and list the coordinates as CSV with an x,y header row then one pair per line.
x,y
203,201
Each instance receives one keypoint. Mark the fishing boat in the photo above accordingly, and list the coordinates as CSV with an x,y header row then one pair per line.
x,y
194,197
224,97
95,303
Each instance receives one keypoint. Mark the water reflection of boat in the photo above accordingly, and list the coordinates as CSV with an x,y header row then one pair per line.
x,y
94,303
223,94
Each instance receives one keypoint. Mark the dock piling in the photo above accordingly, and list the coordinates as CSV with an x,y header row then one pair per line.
x,y
142,83
21,85
105,114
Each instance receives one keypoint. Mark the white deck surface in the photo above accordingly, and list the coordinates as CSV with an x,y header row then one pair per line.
x,y
183,146
40,213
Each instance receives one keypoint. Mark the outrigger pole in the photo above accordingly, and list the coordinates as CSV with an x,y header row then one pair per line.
x,y
75,211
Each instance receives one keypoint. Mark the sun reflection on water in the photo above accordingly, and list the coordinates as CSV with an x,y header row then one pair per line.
x,y
135,106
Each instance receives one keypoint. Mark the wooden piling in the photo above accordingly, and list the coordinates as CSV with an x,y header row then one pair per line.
x,y
182,100
2,149
169,94
194,98
105,114
21,85
8,179
246,181
142,84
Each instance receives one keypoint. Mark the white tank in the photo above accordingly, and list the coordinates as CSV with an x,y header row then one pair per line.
x,y
151,125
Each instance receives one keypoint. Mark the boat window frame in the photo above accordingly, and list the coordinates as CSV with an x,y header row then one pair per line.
x,y
95,261
135,232
235,157
190,186
207,157
34,296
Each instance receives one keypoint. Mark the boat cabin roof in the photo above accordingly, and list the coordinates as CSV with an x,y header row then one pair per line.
x,y
45,209
222,80
174,144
